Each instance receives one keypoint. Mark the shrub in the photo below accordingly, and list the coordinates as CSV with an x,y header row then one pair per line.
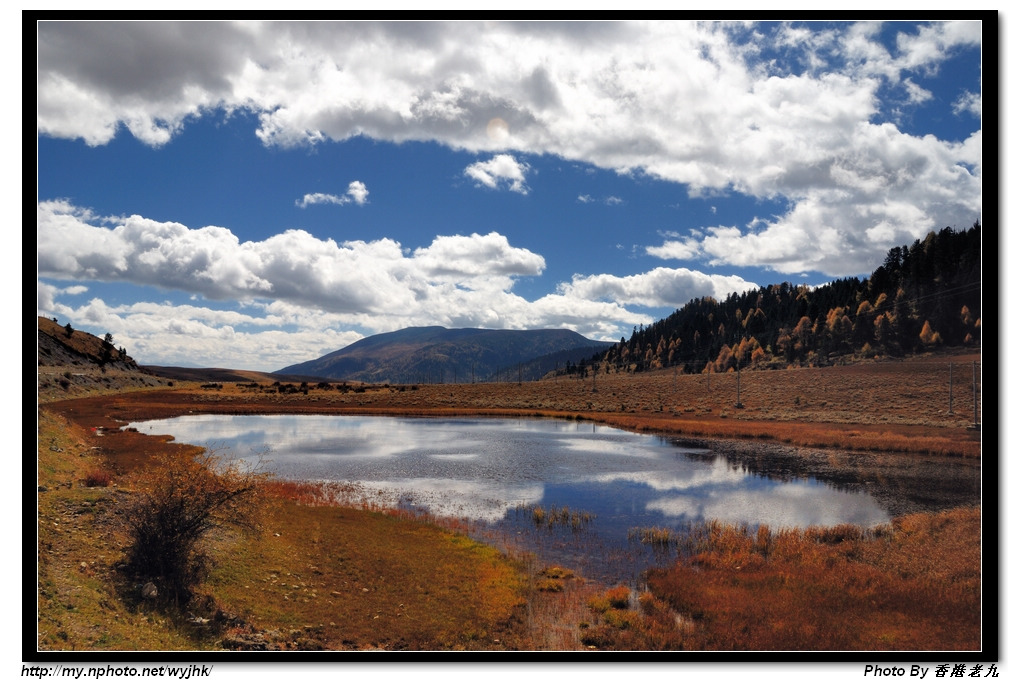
x,y
619,597
180,500
97,478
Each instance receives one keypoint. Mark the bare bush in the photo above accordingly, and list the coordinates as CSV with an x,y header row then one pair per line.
x,y
180,500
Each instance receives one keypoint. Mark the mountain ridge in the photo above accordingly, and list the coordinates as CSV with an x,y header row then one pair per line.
x,y
437,354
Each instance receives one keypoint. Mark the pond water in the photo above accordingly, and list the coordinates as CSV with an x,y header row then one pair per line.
x,y
495,472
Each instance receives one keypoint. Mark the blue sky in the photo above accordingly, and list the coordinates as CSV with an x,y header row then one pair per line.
x,y
256,195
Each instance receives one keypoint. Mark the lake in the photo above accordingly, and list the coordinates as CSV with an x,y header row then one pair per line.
x,y
493,473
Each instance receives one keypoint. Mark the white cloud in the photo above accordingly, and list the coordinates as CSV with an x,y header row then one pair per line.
x,y
661,287
489,257
293,290
915,93
502,169
686,249
687,102
184,335
356,192
968,102
348,277
608,201
319,198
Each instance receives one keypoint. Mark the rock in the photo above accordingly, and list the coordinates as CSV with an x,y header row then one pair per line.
x,y
149,591
245,642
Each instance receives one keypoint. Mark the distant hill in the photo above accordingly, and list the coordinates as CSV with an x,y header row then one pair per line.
x,y
217,374
441,355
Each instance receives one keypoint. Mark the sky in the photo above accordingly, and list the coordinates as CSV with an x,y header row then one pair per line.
x,y
254,195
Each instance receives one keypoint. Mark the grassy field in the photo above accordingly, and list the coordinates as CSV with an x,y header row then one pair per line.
x,y
342,578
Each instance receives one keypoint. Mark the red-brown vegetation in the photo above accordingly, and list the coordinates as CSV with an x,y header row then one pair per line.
x,y
915,585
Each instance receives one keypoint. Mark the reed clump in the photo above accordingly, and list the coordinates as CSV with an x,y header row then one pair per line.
x,y
615,625
574,519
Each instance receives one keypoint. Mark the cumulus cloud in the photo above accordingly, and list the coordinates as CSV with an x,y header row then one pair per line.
x,y
501,170
678,249
490,256
356,193
347,277
661,287
193,335
806,126
312,287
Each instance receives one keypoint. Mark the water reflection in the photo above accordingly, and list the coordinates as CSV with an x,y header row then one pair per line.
x,y
493,471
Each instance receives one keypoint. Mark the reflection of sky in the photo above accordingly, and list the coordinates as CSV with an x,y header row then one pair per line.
x,y
480,469
444,497
778,506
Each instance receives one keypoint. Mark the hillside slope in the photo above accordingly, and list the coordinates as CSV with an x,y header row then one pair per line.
x,y
439,355
72,363
924,297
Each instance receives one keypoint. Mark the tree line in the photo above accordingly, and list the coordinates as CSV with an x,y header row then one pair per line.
x,y
923,296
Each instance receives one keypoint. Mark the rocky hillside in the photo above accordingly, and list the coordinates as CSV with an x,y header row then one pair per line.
x,y
73,363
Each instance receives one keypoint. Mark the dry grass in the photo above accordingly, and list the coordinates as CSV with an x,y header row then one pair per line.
x,y
913,586
338,578
84,601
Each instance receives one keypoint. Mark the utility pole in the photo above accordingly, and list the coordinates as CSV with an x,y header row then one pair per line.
x,y
950,387
738,403
977,424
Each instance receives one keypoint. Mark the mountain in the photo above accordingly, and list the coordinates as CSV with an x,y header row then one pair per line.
x,y
437,355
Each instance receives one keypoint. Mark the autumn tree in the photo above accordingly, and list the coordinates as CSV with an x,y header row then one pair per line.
x,y
929,337
864,324
726,360
802,337
883,329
